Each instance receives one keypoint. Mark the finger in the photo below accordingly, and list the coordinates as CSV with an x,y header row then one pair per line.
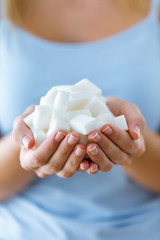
x,y
59,158
21,132
41,155
135,120
29,110
73,162
98,156
123,141
111,150
84,165
93,168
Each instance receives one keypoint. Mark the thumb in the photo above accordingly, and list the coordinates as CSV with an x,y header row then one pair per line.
x,y
135,121
21,133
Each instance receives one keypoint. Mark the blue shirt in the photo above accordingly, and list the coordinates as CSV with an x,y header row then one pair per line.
x,y
107,205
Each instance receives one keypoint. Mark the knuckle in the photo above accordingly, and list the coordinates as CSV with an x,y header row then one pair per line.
x,y
135,107
37,161
73,163
54,168
117,137
140,121
64,151
127,106
49,147
124,159
131,106
130,147
119,158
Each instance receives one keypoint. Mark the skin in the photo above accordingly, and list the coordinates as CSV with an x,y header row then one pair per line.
x,y
59,155
55,21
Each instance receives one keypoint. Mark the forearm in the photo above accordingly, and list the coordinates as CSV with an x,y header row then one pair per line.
x,y
146,169
12,177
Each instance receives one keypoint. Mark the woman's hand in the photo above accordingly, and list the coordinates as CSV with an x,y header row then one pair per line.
x,y
112,145
59,154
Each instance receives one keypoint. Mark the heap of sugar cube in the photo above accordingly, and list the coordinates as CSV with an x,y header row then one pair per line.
x,y
80,108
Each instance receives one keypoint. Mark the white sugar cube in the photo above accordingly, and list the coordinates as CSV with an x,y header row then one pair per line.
x,y
87,86
77,100
105,118
42,116
39,136
84,124
60,115
58,124
104,99
66,88
80,112
80,108
49,98
28,120
120,122
61,101
97,107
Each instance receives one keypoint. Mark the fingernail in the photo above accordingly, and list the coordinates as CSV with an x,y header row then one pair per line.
x,y
137,131
93,169
95,136
94,150
59,136
82,168
72,140
90,172
26,140
79,151
107,130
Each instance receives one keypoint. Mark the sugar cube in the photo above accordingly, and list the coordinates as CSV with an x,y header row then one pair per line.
x,y
66,88
39,136
58,124
87,86
60,115
28,120
104,99
77,100
120,122
105,118
61,101
42,116
84,124
73,114
49,98
97,107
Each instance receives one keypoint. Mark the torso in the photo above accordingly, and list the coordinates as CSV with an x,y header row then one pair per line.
x,y
79,21
111,206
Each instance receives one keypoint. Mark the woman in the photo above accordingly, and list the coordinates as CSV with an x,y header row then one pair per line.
x,y
116,45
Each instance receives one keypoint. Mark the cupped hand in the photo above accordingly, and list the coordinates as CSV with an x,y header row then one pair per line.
x,y
112,145
60,154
